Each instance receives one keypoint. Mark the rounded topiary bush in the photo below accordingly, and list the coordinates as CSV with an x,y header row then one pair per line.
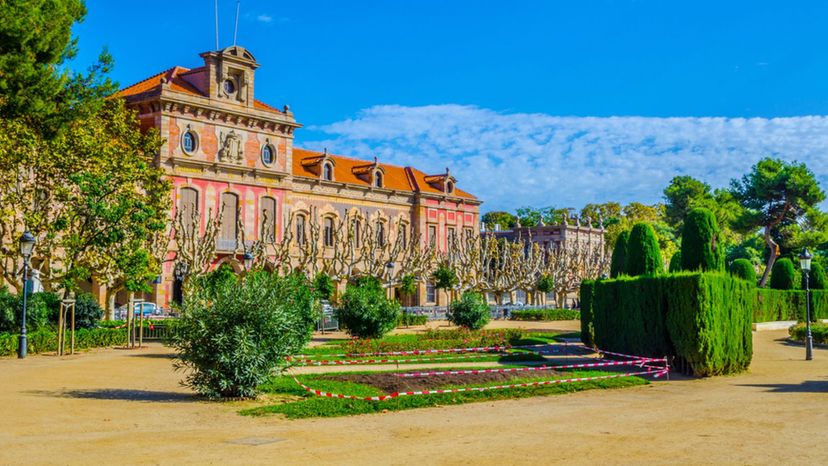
x,y
619,254
816,277
783,275
700,243
675,263
742,268
365,311
470,311
643,253
232,335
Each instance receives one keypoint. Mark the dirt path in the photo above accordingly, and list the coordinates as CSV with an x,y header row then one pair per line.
x,y
127,407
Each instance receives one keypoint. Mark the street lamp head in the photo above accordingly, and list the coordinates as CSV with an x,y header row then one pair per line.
x,y
248,260
27,243
805,260
390,265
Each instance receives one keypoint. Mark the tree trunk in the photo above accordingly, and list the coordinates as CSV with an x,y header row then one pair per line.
x,y
771,257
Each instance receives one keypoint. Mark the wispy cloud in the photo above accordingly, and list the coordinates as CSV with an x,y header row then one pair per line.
x,y
263,18
515,159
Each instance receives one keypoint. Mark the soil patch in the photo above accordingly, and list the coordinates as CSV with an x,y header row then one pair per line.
x,y
390,383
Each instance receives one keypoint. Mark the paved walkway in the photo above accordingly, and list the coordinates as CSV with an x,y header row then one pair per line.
x,y
118,406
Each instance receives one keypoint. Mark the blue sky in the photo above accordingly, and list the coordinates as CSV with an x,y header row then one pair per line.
x,y
578,101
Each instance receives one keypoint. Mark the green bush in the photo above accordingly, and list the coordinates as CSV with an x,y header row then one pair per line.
x,y
365,311
323,286
232,334
819,332
406,320
743,268
775,305
545,314
587,294
643,253
702,319
675,263
8,311
619,254
816,277
701,246
40,341
545,284
783,275
470,311
87,311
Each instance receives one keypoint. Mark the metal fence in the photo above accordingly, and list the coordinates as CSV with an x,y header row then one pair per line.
x,y
498,312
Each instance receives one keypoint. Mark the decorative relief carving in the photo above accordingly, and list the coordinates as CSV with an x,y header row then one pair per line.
x,y
230,148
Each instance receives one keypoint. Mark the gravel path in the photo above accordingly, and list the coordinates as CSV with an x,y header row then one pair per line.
x,y
118,406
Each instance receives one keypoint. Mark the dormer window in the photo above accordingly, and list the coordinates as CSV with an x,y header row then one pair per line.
x,y
449,187
229,86
189,141
378,179
327,171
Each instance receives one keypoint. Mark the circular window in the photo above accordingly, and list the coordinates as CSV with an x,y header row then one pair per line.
x,y
229,86
189,142
268,154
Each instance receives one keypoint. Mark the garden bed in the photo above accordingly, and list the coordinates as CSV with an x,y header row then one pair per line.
x,y
392,382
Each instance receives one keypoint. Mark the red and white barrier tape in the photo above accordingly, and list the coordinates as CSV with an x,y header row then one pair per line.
x,y
476,389
480,349
639,363
350,362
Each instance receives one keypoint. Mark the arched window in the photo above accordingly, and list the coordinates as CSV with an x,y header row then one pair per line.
x,y
188,205
328,231
300,229
268,154
357,232
378,179
380,233
449,187
403,234
327,172
229,222
189,142
269,223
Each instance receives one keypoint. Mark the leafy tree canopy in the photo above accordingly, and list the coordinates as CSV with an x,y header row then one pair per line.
x,y
504,219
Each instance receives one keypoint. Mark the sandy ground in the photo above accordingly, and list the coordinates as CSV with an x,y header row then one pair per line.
x,y
120,406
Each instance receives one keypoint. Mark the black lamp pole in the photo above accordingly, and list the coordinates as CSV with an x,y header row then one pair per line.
x,y
27,242
805,263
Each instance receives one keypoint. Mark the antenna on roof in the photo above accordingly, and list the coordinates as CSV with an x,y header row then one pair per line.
x,y
216,9
236,30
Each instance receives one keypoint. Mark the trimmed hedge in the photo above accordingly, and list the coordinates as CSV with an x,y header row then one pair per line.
x,y
643,253
773,305
675,262
587,294
783,275
406,320
742,268
545,314
619,254
702,319
816,278
701,249
41,341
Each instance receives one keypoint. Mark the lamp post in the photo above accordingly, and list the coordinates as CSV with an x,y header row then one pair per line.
x,y
248,261
27,242
805,263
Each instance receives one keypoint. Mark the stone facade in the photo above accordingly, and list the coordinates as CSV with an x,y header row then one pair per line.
x,y
225,147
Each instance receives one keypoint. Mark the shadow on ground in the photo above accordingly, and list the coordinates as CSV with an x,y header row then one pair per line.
x,y
154,355
808,386
119,394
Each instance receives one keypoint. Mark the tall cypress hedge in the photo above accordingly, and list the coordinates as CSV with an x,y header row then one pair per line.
x,y
675,263
775,305
643,253
816,277
701,249
702,319
587,326
619,254
783,275
742,268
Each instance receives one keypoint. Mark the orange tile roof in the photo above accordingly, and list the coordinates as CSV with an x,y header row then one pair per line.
x,y
175,77
347,169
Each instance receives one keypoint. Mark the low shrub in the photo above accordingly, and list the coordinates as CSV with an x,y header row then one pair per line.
x,y
365,311
40,341
406,320
783,275
819,332
545,314
470,311
232,335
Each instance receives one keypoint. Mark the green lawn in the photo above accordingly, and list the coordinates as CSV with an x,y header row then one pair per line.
x,y
309,405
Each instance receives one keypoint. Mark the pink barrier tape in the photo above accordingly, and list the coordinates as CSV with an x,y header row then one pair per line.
x,y
476,389
350,362
639,363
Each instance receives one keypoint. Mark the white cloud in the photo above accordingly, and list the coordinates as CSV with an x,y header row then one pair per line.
x,y
264,18
515,159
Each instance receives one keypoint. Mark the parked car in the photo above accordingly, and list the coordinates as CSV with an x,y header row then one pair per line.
x,y
148,309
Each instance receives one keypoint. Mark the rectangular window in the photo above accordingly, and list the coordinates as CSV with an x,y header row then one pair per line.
x,y
432,234
431,293
468,232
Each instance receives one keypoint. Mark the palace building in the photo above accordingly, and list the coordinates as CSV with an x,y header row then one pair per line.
x,y
225,147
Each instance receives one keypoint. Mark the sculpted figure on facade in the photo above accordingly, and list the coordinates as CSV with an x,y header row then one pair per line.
x,y
231,148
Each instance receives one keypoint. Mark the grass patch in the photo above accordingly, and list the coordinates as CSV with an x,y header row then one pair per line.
x,y
315,406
